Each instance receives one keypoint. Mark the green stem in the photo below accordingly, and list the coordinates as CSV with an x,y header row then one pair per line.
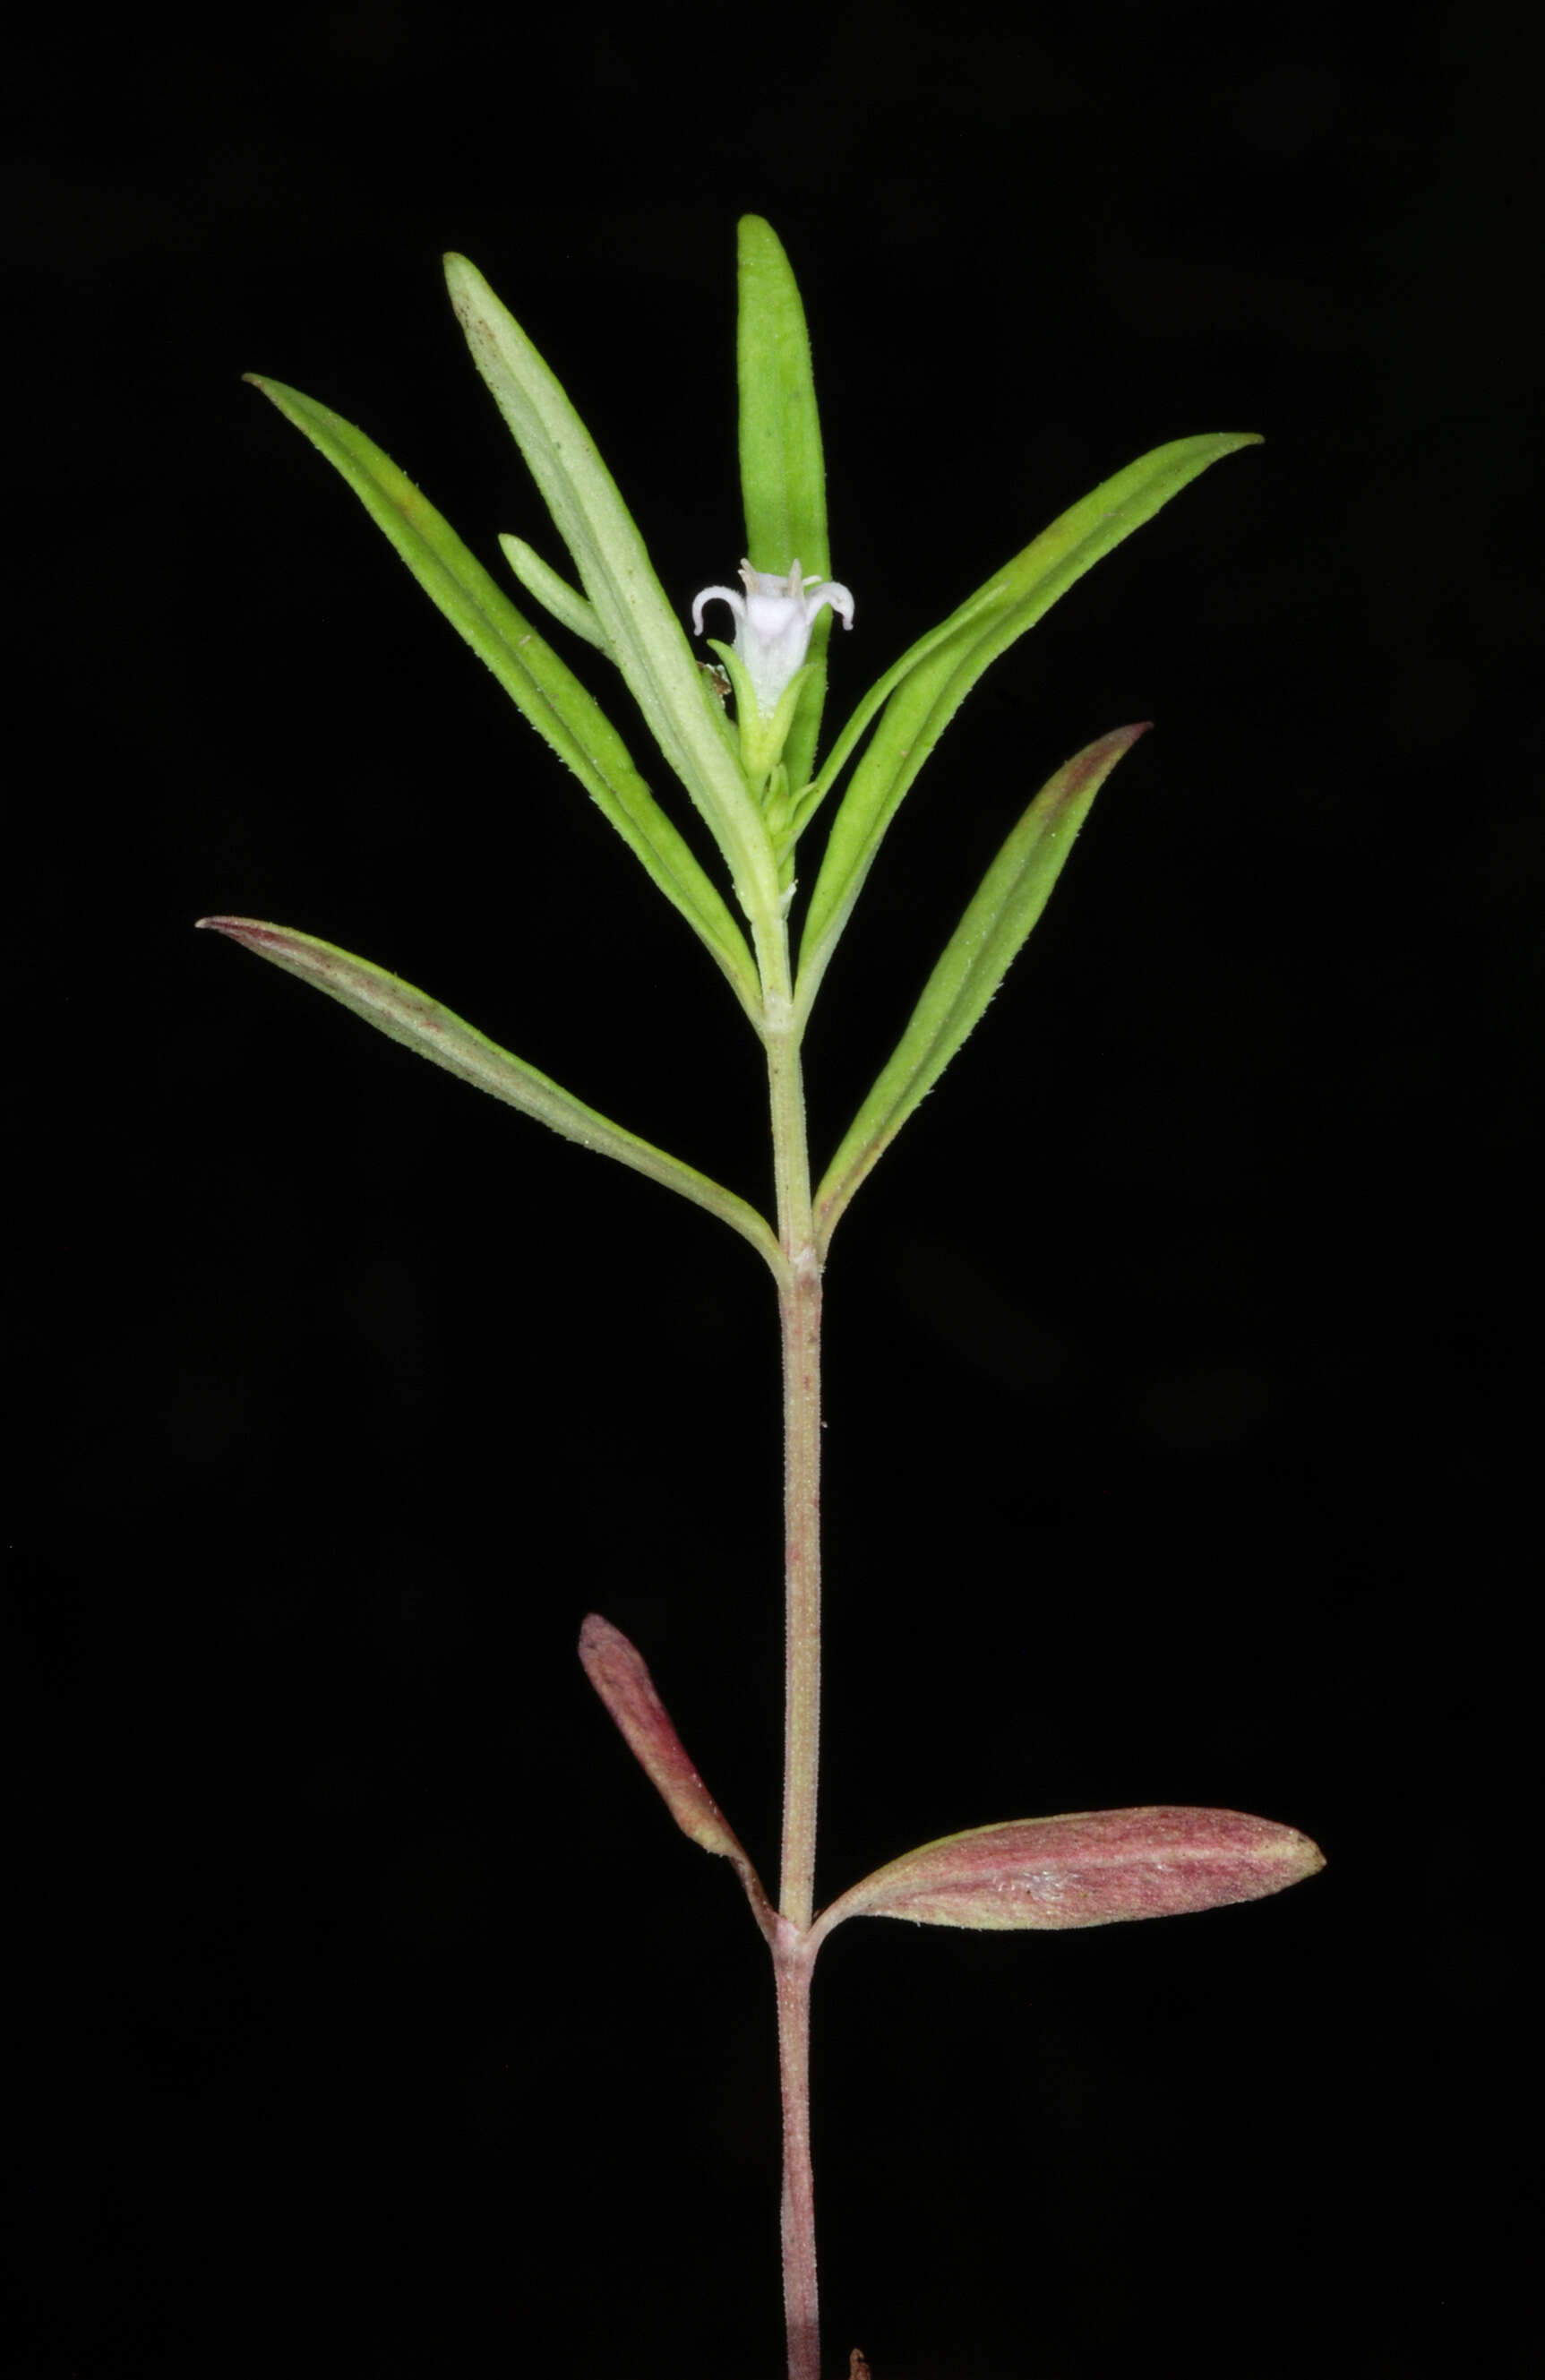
x,y
800,1309
800,1316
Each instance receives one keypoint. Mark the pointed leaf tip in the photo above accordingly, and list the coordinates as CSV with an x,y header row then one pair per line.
x,y
618,1670
1093,1867
240,929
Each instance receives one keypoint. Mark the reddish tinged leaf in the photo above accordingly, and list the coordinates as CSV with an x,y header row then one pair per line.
x,y
1094,1867
616,1669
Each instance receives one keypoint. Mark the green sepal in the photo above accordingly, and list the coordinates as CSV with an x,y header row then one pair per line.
x,y
761,740
555,594
421,1023
985,945
647,639
929,691
540,683
782,473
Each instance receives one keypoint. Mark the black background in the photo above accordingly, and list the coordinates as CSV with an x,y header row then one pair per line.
x,y
1183,1415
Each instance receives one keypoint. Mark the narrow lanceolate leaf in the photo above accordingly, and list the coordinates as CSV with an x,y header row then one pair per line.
x,y
555,594
984,946
616,1669
551,697
404,1015
647,639
816,792
1098,1867
929,693
782,473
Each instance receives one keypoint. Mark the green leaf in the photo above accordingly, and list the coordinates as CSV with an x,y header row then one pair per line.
x,y
782,473
647,639
404,1015
1094,1867
988,938
927,697
566,603
562,711
816,793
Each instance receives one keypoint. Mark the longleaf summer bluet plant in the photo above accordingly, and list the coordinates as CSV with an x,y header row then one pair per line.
x,y
742,736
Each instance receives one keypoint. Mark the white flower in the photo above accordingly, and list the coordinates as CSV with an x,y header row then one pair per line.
x,y
772,623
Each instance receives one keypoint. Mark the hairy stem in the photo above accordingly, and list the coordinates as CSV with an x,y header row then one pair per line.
x,y
800,1316
799,1302
792,1963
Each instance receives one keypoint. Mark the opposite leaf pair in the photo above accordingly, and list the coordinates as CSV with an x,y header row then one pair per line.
x,y
1091,1868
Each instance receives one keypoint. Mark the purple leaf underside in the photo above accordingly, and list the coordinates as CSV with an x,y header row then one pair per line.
x,y
1093,1867
618,1673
